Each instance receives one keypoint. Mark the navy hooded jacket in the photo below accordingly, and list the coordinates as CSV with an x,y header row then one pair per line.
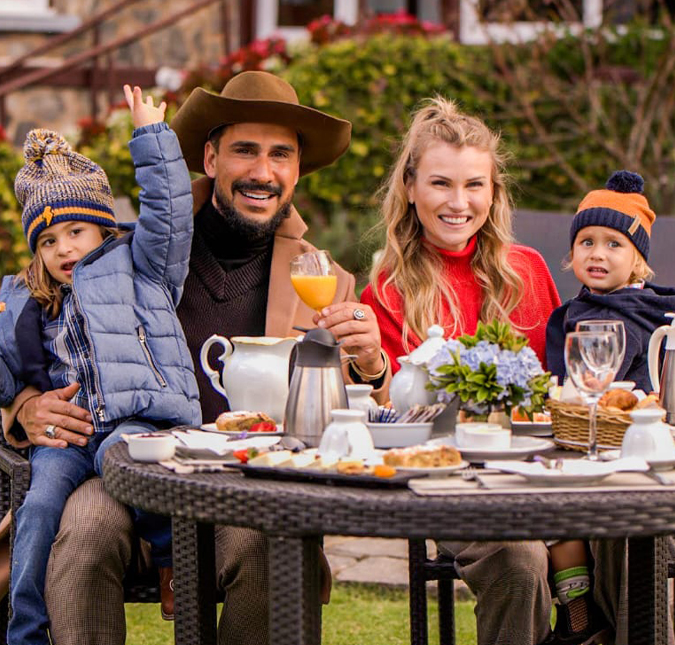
x,y
641,310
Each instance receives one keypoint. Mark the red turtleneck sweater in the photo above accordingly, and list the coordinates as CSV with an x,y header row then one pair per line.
x,y
538,300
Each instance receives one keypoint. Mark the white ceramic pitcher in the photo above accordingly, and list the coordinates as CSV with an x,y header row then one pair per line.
x,y
255,372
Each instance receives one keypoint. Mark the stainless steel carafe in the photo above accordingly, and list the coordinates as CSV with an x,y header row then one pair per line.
x,y
317,387
665,383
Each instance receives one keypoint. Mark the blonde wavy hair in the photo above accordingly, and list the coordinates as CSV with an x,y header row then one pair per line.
x,y
413,267
42,286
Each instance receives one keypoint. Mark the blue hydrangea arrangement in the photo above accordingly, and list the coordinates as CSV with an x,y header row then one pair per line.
x,y
492,370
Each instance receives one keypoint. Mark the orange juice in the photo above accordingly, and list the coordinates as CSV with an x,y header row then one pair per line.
x,y
316,291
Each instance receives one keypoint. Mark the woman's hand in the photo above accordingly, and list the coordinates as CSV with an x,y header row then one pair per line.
x,y
356,326
71,422
143,113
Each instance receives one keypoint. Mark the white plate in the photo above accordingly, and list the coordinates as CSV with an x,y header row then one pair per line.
x,y
211,427
558,478
520,447
526,428
574,472
433,472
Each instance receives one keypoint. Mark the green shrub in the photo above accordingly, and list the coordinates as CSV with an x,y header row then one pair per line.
x,y
14,253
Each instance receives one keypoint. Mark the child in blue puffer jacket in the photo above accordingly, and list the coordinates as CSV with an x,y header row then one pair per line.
x,y
96,308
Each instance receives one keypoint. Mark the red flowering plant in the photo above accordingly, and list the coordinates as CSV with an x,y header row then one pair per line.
x,y
259,55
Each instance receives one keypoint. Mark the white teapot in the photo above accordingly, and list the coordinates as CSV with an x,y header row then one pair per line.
x,y
255,372
408,385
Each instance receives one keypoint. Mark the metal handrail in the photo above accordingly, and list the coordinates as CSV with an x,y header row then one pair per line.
x,y
78,59
91,54
57,41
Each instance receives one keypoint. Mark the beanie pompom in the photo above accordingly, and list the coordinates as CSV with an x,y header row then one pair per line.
x,y
624,181
41,142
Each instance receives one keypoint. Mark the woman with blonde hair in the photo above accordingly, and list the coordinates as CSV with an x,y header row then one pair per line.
x,y
449,257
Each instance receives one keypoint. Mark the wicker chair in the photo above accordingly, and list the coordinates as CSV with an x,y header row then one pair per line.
x,y
422,570
14,483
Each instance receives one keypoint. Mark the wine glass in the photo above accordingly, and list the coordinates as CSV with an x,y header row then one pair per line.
x,y
314,278
592,360
615,326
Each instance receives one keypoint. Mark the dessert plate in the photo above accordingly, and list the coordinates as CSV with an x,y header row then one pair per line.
x,y
520,447
440,471
574,472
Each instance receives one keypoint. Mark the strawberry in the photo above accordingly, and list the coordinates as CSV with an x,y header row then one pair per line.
x,y
263,426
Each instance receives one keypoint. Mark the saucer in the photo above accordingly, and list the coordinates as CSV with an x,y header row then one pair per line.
x,y
520,447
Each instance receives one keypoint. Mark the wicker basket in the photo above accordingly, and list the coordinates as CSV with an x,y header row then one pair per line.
x,y
570,426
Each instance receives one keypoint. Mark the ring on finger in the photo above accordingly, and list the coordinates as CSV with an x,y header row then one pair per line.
x,y
359,314
50,431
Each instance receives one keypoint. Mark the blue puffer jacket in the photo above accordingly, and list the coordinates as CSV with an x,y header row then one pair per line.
x,y
128,290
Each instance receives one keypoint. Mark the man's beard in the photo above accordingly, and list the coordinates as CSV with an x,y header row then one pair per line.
x,y
249,229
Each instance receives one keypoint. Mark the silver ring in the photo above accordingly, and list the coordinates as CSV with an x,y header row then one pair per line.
x,y
50,432
359,314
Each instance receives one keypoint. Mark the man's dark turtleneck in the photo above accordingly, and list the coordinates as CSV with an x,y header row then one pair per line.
x,y
229,246
225,293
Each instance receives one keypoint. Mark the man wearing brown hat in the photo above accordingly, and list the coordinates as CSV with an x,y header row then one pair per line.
x,y
253,142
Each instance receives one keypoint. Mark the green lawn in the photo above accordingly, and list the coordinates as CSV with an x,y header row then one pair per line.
x,y
357,614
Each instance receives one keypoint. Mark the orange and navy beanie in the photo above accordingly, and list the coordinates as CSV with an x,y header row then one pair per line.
x,y
621,206
57,184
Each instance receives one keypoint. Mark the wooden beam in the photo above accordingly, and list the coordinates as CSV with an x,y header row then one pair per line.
x,y
82,77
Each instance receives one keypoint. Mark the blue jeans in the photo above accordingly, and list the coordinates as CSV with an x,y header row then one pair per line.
x,y
55,474
155,529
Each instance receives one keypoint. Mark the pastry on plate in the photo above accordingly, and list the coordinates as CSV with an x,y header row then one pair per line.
x,y
243,420
422,457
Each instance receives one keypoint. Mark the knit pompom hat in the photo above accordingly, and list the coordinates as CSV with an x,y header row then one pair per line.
x,y
57,185
621,206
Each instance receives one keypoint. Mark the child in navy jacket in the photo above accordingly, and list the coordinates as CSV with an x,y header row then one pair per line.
x,y
609,242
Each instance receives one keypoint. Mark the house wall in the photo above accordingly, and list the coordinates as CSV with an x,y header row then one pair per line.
x,y
194,41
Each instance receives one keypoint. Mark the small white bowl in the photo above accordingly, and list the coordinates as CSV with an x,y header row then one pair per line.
x,y
151,447
484,437
399,435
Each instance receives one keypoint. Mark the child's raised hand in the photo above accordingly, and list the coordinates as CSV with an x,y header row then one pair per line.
x,y
143,112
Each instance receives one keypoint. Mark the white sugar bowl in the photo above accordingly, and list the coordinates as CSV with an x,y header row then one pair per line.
x,y
648,437
151,447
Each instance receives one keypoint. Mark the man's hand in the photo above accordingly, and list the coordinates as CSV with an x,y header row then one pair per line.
x,y
143,113
72,423
359,332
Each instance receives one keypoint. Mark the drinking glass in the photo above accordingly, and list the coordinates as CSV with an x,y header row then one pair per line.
x,y
314,279
592,360
615,326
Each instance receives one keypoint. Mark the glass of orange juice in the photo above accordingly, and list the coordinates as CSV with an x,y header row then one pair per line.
x,y
314,279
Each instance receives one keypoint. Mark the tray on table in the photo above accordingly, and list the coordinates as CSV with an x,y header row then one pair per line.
x,y
331,478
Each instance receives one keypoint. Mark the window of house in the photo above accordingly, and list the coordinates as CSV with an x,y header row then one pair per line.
x,y
34,15
482,21
289,18
301,12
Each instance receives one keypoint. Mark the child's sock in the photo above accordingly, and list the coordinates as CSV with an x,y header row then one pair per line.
x,y
570,585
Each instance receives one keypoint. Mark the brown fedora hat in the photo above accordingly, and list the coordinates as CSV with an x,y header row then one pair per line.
x,y
259,97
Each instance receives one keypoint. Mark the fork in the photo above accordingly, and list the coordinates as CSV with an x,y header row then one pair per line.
x,y
469,474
